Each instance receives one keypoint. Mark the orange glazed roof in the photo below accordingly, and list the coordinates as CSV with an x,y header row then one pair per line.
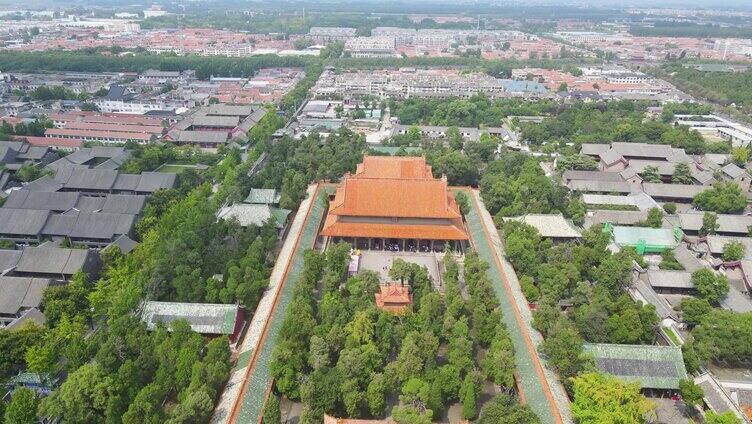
x,y
454,231
394,167
394,198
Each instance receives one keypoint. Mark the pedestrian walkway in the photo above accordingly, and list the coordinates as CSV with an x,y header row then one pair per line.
x,y
541,388
243,397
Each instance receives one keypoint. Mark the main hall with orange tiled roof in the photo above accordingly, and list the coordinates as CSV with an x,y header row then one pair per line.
x,y
395,203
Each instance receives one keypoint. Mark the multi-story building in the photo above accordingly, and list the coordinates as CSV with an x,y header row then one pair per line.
x,y
409,82
370,47
330,34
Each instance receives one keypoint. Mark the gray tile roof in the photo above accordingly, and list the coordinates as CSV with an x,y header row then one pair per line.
x,y
639,200
654,367
216,121
52,260
87,179
733,171
9,259
247,214
265,196
124,243
615,217
716,243
90,226
550,225
22,222
18,293
736,301
211,137
674,191
660,279
131,204
599,186
45,183
104,180
591,175
229,110
154,181
643,292
40,200
716,397
204,318
735,224
32,315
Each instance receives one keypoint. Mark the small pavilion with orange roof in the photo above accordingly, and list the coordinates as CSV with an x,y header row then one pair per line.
x,y
394,297
395,203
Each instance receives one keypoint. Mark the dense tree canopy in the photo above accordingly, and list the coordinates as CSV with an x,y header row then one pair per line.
x,y
374,354
724,197
600,398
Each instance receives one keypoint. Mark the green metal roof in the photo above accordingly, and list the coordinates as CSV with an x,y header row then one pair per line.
x,y
646,239
654,367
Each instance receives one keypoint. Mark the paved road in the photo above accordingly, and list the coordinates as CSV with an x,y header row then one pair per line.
x,y
541,389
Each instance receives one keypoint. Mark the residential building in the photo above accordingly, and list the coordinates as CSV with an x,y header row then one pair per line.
x,y
331,34
215,125
370,47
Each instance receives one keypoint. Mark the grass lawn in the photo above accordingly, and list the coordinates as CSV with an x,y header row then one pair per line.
x,y
671,335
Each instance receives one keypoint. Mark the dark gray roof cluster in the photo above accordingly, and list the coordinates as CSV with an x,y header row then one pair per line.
x,y
101,157
19,293
66,200
14,154
81,226
105,181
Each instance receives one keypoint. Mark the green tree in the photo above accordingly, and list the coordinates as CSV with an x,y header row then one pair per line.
x,y
564,348
272,413
727,417
576,162
724,336
655,218
376,394
669,261
694,310
411,415
22,408
740,155
692,394
691,360
724,197
734,251
710,286
462,201
669,207
709,224
502,409
650,174
600,398
682,174
82,398
454,138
